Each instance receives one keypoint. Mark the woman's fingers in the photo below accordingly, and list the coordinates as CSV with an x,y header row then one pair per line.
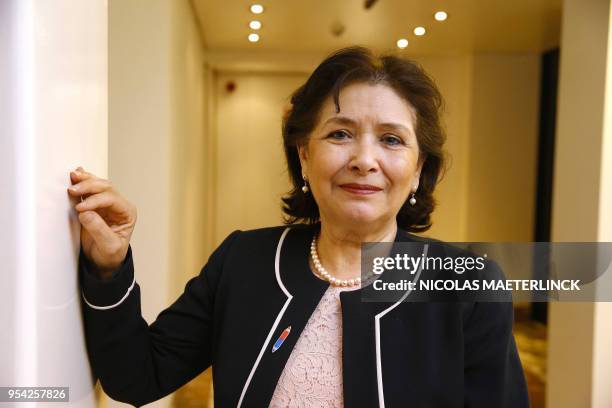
x,y
99,231
90,186
80,174
99,200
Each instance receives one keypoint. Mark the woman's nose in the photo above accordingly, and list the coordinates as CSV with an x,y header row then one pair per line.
x,y
364,158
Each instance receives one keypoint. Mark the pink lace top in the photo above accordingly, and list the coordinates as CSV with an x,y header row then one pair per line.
x,y
312,376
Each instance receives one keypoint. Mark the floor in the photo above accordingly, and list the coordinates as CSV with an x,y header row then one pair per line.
x,y
531,342
195,394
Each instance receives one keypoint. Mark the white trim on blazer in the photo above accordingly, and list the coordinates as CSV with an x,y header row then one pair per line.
x,y
379,379
114,305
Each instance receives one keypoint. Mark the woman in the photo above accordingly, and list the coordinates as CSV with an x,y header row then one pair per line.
x,y
277,311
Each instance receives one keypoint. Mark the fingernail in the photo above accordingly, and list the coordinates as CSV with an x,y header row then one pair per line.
x,y
73,189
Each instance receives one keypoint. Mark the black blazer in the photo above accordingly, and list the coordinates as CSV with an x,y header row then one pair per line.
x,y
257,283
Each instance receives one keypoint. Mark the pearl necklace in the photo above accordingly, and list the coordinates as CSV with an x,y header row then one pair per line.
x,y
326,275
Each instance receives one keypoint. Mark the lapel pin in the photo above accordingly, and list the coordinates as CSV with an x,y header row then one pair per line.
x,y
281,339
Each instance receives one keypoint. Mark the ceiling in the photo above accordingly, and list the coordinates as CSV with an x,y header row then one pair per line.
x,y
473,26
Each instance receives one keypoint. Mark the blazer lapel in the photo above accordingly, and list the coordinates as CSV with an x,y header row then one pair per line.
x,y
304,291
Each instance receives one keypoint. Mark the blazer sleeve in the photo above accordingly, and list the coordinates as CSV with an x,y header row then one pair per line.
x,y
137,363
493,372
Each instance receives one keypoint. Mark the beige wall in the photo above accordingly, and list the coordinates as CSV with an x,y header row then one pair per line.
x,y
188,147
488,192
139,127
251,174
602,370
156,143
453,75
503,148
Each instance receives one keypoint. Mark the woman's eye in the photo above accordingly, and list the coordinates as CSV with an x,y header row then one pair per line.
x,y
338,135
392,140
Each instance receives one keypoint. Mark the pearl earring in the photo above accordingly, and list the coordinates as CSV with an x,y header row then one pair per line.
x,y
305,186
412,200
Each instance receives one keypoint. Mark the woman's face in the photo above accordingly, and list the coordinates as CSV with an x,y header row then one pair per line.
x,y
362,163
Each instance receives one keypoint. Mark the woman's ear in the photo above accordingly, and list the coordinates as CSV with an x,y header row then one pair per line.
x,y
303,155
417,173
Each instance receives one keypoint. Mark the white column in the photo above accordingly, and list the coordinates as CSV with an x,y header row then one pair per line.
x,y
53,117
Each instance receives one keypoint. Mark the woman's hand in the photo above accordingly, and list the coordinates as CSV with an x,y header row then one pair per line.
x,y
107,221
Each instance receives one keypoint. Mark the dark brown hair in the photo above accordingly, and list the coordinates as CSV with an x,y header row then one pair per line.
x,y
353,65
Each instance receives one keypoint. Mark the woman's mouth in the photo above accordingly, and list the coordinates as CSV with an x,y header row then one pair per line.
x,y
361,189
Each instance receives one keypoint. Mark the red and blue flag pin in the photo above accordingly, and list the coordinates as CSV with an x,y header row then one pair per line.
x,y
281,339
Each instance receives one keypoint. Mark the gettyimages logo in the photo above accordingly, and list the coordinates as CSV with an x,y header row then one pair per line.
x,y
481,271
458,264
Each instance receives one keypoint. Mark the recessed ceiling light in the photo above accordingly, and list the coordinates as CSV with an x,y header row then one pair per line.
x,y
255,25
402,43
419,31
256,9
440,15
253,37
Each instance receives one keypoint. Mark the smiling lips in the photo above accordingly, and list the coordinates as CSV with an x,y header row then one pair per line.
x,y
362,189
